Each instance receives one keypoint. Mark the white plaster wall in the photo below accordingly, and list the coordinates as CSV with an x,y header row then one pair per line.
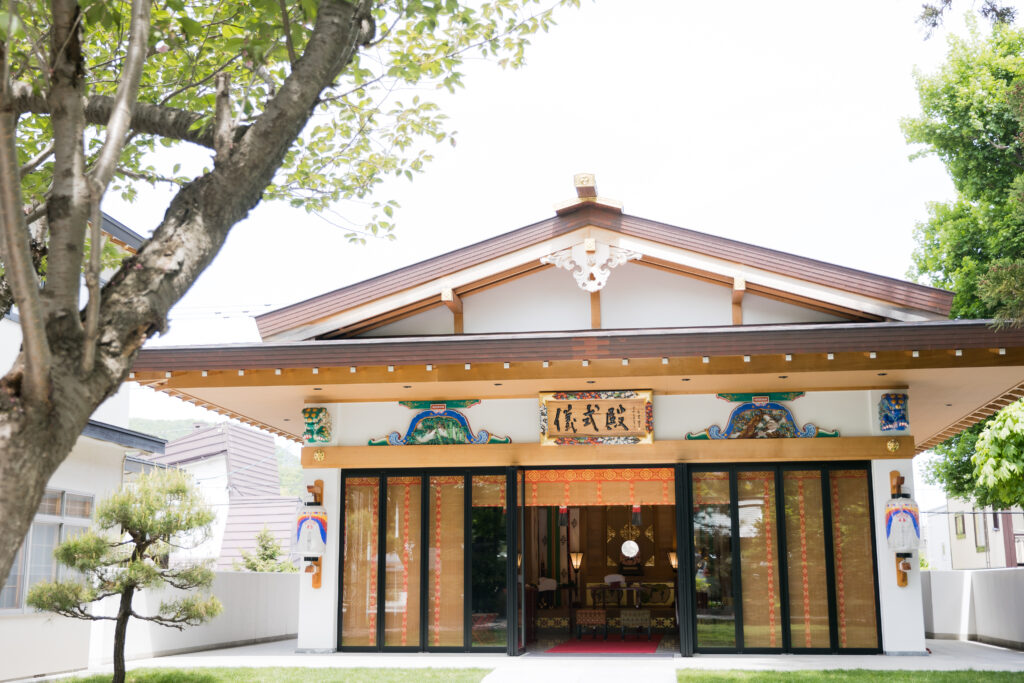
x,y
114,410
10,342
853,413
435,321
318,608
36,644
548,300
640,296
257,607
356,423
210,475
902,609
759,310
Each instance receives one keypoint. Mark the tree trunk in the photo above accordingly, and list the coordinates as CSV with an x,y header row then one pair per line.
x,y
124,612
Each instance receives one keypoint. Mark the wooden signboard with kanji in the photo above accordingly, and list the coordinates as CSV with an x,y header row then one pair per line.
x,y
597,417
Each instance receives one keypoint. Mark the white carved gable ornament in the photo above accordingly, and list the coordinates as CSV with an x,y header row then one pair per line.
x,y
590,262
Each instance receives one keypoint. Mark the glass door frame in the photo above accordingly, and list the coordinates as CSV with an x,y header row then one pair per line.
x,y
684,528
382,475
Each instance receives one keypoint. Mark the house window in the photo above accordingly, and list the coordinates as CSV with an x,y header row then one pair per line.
x,y
61,515
995,521
959,526
979,531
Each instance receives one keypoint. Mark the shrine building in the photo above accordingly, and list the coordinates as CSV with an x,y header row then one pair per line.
x,y
601,433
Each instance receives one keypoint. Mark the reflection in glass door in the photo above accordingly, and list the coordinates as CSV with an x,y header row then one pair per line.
x,y
712,542
783,559
489,571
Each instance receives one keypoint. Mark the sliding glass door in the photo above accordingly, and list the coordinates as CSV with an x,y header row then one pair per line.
x,y
425,561
783,559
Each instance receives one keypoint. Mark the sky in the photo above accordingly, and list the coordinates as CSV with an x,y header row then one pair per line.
x,y
774,123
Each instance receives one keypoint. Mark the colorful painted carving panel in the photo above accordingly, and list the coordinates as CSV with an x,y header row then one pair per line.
x,y
439,424
892,412
318,425
761,416
596,417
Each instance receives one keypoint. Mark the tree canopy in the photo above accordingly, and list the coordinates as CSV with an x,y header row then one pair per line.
x,y
972,114
973,120
312,102
126,552
268,556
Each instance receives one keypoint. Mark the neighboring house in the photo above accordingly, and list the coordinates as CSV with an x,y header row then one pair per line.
x,y
236,469
712,422
106,453
984,539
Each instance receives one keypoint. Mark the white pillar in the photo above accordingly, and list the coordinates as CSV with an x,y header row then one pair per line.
x,y
902,609
318,608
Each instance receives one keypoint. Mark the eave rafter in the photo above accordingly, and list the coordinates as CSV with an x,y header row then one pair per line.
x,y
693,366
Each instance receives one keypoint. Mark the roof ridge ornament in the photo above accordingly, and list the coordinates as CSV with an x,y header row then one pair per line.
x,y
591,262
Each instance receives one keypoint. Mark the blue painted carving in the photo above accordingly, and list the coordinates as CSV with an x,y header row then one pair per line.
x,y
892,412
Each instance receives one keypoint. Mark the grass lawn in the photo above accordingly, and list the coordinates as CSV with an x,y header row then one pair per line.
x,y
295,675
852,676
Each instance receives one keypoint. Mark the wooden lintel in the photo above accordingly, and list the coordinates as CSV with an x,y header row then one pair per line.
x,y
595,310
739,287
660,452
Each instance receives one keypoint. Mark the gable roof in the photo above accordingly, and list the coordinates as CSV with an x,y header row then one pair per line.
x,y
297,320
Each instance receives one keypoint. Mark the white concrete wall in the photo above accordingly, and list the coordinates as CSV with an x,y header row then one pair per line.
x,y
901,608
986,605
318,629
257,607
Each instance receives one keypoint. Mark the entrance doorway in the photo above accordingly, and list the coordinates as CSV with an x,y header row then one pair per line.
x,y
598,560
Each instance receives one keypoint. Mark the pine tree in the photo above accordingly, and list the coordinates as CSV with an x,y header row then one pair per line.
x,y
267,557
125,553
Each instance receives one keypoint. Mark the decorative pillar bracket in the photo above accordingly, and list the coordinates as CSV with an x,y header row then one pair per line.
x,y
591,262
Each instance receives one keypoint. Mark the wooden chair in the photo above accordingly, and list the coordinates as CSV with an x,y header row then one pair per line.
x,y
591,618
635,618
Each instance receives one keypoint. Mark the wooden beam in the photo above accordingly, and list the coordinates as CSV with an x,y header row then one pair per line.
x,y
452,300
739,287
660,452
595,310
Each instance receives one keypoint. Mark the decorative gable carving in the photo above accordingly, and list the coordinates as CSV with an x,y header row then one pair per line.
x,y
590,262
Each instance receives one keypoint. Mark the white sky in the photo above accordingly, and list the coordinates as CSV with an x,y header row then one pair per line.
x,y
775,123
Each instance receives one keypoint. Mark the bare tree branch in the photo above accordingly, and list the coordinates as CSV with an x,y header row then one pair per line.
x,y
223,123
118,129
68,203
17,257
147,119
286,25
34,163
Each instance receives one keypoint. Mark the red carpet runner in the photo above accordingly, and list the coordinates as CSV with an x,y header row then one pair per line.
x,y
633,645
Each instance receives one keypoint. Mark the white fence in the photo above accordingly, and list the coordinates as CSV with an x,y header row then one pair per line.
x,y
257,608
986,605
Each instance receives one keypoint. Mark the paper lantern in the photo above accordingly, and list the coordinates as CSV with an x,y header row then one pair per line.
x,y
311,531
902,525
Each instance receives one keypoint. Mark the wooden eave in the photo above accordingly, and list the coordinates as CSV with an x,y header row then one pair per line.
x,y
748,340
890,290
